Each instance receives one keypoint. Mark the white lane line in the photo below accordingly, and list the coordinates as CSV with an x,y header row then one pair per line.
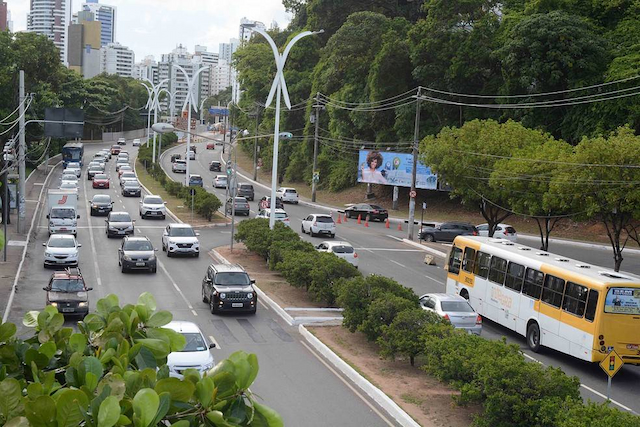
x,y
348,384
397,263
435,280
213,340
175,285
394,237
91,237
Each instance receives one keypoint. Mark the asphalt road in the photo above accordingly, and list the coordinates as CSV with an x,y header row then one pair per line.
x,y
293,379
381,252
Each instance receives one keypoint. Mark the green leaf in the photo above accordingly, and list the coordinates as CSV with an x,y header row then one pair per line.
x,y
253,361
217,418
41,412
70,406
147,300
104,305
55,323
159,318
145,406
71,377
265,416
78,342
163,408
30,319
159,348
48,349
109,412
94,322
11,399
145,359
90,364
181,423
32,355
180,391
176,340
204,391
243,369
7,330
91,381
18,422
124,420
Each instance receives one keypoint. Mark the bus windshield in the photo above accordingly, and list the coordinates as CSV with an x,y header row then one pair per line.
x,y
623,301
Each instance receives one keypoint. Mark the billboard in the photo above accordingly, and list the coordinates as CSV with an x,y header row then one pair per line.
x,y
389,168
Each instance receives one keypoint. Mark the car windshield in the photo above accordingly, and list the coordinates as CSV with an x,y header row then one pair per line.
x,y
456,307
195,342
131,183
63,213
123,217
290,191
68,184
126,175
69,178
341,249
138,245
100,176
153,200
182,232
281,215
196,178
246,187
61,242
326,219
221,178
101,199
125,168
67,285
95,169
376,207
233,279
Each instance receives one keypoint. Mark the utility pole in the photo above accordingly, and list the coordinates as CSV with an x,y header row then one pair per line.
x,y
229,165
416,141
21,160
315,178
255,145
6,204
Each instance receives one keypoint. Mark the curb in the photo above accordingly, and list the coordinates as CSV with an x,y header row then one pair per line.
x,y
372,391
425,248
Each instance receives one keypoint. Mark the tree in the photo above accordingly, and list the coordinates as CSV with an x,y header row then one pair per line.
x,y
403,335
113,372
381,312
601,181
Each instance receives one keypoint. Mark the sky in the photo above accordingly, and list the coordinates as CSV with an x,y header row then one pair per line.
x,y
154,27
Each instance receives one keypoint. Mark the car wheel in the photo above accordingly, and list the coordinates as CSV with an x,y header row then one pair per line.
x,y
348,214
254,310
302,229
333,236
169,255
429,238
204,295
311,233
164,216
122,269
533,337
154,270
212,306
91,213
197,255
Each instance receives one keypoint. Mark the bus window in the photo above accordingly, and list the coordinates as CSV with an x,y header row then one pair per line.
x,y
533,282
498,270
455,260
515,275
575,299
592,302
482,265
469,259
553,290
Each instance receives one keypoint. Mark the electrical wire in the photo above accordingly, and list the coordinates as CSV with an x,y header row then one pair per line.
x,y
14,111
382,101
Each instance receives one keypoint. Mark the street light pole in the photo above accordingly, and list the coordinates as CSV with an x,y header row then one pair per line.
x,y
278,88
416,141
317,106
21,161
255,146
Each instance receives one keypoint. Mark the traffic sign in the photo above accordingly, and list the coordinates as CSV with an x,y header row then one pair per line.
x,y
612,363
413,194
316,176
259,161
229,169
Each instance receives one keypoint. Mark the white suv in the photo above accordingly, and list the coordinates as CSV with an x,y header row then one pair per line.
x,y
288,195
196,353
179,166
152,206
315,224
180,239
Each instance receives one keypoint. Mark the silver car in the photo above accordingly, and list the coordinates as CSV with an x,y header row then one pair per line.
x,y
455,309
119,224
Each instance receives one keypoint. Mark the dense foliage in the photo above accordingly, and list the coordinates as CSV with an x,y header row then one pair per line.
x,y
113,372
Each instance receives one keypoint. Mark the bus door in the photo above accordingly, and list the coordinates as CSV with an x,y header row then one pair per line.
x,y
512,295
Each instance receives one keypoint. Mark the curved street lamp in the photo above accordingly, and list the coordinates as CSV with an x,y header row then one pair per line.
x,y
154,93
279,87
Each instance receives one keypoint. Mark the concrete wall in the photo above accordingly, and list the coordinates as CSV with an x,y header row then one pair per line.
x,y
131,134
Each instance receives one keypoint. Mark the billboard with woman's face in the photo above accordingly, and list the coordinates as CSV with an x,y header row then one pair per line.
x,y
389,168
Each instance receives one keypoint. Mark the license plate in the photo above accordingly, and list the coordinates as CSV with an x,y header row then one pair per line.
x,y
122,232
139,264
237,305
632,346
63,228
67,310
61,261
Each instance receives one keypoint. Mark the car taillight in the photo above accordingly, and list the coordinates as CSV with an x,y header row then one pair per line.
x,y
446,317
315,224
475,233
355,255
479,320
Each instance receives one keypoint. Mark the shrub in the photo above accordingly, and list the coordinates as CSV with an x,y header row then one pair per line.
x,y
327,269
404,335
576,414
296,268
278,248
381,312
256,235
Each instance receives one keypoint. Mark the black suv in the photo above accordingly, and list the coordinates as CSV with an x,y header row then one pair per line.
x,y
447,231
215,166
67,292
246,190
228,287
137,253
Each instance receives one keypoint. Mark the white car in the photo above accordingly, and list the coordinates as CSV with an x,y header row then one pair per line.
x,y
69,185
106,153
126,174
192,155
61,250
152,206
72,170
287,194
96,164
179,166
120,163
180,239
342,250
503,231
220,181
196,353
122,141
455,309
281,215
316,224
73,165
126,180
136,142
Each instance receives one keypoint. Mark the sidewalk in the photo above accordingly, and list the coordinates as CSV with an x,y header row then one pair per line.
x,y
16,243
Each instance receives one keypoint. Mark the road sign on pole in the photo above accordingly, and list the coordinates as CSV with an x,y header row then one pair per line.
x,y
611,364
316,176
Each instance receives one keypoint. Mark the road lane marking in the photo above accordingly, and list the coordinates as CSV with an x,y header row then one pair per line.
x,y
175,285
396,262
348,384
91,237
213,340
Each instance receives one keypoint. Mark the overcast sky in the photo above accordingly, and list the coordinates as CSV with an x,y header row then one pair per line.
x,y
154,27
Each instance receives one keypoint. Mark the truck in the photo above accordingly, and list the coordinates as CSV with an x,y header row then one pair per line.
x,y
62,211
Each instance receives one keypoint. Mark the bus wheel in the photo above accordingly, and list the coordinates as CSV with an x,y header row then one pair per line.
x,y
533,337
464,294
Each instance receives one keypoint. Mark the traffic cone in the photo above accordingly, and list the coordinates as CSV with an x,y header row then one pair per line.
x,y
366,222
399,226
387,225
339,221
345,218
359,219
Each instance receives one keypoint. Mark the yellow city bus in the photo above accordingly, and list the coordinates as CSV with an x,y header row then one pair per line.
x,y
576,308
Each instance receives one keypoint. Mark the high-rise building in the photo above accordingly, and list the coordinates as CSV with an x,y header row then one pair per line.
x,y
146,69
220,77
4,18
117,59
244,34
106,15
177,83
9,21
205,59
51,18
84,54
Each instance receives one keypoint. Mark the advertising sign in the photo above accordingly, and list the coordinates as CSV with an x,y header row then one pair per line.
x,y
622,301
389,168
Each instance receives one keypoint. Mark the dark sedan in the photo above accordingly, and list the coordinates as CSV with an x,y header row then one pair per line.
x,y
101,204
246,191
367,212
241,206
447,231
215,166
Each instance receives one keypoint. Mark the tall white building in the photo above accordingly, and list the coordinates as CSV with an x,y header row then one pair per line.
x,y
146,69
51,18
244,34
177,83
107,16
117,59
220,77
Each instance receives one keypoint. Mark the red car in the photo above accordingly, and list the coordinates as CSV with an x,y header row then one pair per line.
x,y
100,180
115,150
211,145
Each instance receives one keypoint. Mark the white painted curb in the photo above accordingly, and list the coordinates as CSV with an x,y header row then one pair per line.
x,y
372,391
425,248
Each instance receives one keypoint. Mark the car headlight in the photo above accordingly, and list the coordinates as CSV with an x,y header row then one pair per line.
x,y
223,295
48,254
152,258
54,304
82,304
51,224
250,295
207,366
126,258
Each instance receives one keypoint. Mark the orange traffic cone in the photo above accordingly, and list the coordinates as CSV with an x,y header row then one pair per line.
x,y
339,221
387,223
359,219
366,223
345,218
400,226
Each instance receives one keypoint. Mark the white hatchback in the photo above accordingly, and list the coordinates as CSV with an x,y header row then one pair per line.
x,y
196,354
316,224
136,142
281,215
287,194
61,250
220,181
342,250
503,231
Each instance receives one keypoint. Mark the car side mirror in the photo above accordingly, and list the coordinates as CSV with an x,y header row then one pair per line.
x,y
77,216
212,345
89,289
253,281
45,289
79,245
133,220
208,280
47,216
119,249
155,250
164,203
